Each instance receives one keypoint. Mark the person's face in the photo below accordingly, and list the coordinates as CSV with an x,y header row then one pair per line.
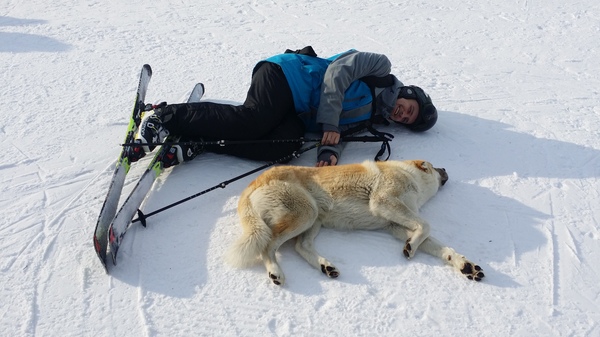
x,y
405,111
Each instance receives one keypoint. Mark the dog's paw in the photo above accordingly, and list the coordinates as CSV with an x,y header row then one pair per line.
x,y
408,252
330,271
278,280
472,271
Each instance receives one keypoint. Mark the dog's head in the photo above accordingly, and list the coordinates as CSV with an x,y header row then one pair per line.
x,y
428,171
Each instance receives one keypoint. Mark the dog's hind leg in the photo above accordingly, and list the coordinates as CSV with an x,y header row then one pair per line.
x,y
268,255
433,247
270,261
295,213
305,247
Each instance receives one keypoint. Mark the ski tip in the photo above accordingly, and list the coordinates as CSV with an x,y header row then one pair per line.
x,y
197,93
148,68
200,89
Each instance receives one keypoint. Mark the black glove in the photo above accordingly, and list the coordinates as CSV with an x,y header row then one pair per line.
x,y
326,156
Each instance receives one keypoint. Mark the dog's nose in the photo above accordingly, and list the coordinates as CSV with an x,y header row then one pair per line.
x,y
443,175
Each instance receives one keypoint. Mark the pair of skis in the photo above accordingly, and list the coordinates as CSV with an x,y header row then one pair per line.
x,y
112,225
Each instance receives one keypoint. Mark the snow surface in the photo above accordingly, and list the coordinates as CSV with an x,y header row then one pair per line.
x,y
516,84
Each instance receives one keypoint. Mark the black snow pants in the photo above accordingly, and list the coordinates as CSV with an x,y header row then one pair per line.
x,y
267,114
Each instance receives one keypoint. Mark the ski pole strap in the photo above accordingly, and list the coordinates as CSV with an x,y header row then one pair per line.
x,y
386,138
378,136
384,145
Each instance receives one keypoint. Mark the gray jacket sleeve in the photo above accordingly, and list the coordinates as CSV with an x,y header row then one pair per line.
x,y
338,77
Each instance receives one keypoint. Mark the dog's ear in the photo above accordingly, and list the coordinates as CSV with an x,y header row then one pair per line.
x,y
422,165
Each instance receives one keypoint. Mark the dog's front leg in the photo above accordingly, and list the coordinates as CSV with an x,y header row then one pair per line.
x,y
404,234
305,247
434,247
395,211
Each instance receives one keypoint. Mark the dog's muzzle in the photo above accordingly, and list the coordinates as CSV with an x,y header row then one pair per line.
x,y
443,174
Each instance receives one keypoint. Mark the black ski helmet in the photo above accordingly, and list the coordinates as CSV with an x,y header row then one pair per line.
x,y
427,111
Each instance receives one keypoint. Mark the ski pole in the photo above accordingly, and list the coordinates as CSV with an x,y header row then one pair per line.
x,y
142,217
260,141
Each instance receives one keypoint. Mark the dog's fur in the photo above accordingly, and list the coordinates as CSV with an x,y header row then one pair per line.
x,y
288,202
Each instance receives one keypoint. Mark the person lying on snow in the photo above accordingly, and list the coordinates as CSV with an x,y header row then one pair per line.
x,y
290,94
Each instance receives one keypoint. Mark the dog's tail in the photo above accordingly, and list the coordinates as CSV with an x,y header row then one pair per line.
x,y
247,249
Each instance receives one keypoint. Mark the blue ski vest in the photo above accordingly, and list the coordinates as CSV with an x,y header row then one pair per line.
x,y
305,75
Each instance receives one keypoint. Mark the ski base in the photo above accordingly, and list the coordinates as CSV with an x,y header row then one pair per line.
x,y
109,207
122,221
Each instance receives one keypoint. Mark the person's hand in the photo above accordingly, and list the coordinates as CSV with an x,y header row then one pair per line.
x,y
330,138
323,160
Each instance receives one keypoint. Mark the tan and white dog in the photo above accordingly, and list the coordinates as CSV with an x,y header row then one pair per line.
x,y
288,202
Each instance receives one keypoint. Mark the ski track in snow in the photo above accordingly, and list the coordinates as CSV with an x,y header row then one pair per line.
x,y
516,86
